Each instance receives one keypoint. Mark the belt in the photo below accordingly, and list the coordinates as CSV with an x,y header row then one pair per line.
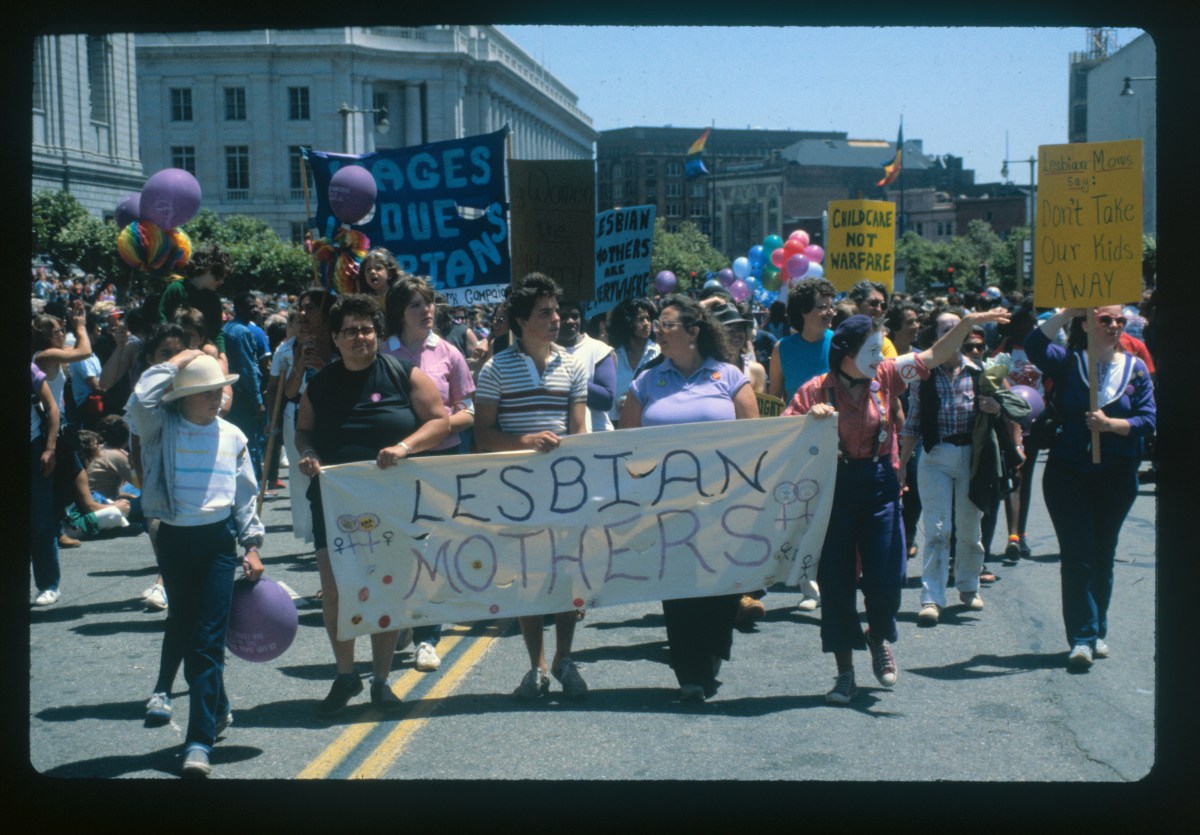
x,y
956,440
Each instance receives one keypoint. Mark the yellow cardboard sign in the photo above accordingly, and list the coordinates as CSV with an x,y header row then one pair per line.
x,y
1088,243
861,243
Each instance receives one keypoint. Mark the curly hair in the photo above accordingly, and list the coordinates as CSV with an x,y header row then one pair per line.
x,y
356,304
399,297
210,259
384,257
802,298
160,334
859,292
711,342
620,319
525,295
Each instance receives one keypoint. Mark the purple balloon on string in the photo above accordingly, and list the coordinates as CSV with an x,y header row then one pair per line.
x,y
1030,396
797,265
262,620
128,210
352,193
170,198
665,282
726,277
740,290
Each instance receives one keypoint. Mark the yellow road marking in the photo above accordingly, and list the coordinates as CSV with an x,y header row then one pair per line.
x,y
325,762
389,750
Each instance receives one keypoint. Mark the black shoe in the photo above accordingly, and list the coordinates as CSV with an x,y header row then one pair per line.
x,y
1012,552
382,697
344,688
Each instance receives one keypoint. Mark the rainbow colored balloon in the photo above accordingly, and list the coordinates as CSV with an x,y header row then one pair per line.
x,y
146,247
341,258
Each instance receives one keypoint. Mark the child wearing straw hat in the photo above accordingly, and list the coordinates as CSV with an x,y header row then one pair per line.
x,y
200,483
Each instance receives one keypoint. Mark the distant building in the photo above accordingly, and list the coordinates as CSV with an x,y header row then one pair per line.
x,y
234,108
1100,113
85,119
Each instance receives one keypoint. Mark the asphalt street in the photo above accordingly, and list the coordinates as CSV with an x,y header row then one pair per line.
x,y
983,696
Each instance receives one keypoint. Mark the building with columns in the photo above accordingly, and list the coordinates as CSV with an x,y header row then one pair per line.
x,y
234,108
85,119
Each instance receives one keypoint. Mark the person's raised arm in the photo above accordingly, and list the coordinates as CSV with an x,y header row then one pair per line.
x,y
945,347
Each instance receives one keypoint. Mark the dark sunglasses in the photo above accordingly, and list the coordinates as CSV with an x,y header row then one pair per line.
x,y
973,346
1107,320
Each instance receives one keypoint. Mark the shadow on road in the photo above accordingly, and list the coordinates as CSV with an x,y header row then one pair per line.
x,y
167,761
1001,665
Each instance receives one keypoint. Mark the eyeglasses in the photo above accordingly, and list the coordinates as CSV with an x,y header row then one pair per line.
x,y
972,347
660,325
351,333
873,303
1106,320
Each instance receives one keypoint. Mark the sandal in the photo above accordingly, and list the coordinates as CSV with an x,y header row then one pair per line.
x,y
987,577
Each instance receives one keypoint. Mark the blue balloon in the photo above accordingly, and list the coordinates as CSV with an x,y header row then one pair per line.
x,y
712,282
814,270
756,255
741,267
751,282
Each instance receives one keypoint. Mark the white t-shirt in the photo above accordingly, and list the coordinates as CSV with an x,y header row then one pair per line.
x,y
589,352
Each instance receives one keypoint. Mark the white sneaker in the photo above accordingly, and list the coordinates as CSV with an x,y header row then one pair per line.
x,y
1080,657
1102,649
973,600
47,598
156,597
427,658
808,604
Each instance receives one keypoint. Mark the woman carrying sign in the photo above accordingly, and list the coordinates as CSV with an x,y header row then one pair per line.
x,y
861,388
692,381
1088,502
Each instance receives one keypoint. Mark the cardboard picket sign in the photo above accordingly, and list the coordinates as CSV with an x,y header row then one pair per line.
x,y
861,243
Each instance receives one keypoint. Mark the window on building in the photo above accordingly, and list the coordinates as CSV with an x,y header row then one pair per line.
x,y
237,172
697,190
617,171
297,232
921,229
617,193
296,171
651,168
37,74
97,56
181,104
1079,119
674,169
379,102
235,104
298,110
674,190
697,210
184,156
651,191
673,210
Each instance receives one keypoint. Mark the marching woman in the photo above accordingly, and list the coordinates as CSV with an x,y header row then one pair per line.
x,y
861,387
692,382
365,407
1088,502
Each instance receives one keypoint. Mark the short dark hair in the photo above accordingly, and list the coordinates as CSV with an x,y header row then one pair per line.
x,y
525,295
399,297
243,303
894,318
209,259
384,257
160,334
355,304
114,430
859,292
711,342
802,298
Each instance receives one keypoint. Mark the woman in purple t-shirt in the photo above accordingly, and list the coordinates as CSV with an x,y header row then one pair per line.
x,y
692,381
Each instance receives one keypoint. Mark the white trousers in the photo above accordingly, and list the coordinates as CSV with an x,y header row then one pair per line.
x,y
297,481
943,478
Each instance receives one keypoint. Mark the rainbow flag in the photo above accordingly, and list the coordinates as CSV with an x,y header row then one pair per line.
x,y
891,170
695,165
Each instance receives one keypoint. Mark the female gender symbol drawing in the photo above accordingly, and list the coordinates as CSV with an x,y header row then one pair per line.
x,y
791,492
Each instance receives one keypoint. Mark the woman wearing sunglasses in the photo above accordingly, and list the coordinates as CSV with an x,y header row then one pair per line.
x,y
1088,502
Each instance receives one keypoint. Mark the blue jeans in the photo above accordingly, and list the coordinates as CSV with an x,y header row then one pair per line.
x,y
1088,509
865,519
43,522
197,565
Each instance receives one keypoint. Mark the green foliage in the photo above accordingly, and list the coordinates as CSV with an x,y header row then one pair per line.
x,y
683,253
926,262
1149,260
261,261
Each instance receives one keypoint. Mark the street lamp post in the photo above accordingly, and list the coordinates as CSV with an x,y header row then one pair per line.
x,y
381,127
1127,90
1032,198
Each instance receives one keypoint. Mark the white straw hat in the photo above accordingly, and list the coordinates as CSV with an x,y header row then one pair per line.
x,y
201,374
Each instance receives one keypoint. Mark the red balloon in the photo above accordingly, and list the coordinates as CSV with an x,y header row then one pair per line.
x,y
793,247
801,236
779,258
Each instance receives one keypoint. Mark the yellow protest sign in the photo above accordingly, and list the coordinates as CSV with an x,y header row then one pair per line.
x,y
1088,244
861,243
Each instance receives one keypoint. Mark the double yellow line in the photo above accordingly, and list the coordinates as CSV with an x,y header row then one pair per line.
x,y
385,753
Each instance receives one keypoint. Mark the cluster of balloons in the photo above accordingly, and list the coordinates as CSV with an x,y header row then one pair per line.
x,y
352,194
765,270
149,239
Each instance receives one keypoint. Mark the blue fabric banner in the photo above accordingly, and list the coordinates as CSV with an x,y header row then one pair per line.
x,y
440,209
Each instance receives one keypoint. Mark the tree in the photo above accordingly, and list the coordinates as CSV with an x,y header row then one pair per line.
x,y
261,261
1149,260
684,252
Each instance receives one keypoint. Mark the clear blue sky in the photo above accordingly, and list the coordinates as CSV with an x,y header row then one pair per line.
x,y
959,89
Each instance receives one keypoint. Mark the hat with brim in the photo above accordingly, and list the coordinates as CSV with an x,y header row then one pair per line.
x,y
728,315
200,375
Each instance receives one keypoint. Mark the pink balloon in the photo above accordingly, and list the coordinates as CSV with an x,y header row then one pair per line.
x,y
813,252
740,290
797,266
779,258
801,236
352,192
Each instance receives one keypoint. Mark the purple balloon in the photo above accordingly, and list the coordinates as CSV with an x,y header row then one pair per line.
x,y
814,252
128,210
797,266
740,291
726,276
665,282
262,620
170,198
352,193
1035,401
